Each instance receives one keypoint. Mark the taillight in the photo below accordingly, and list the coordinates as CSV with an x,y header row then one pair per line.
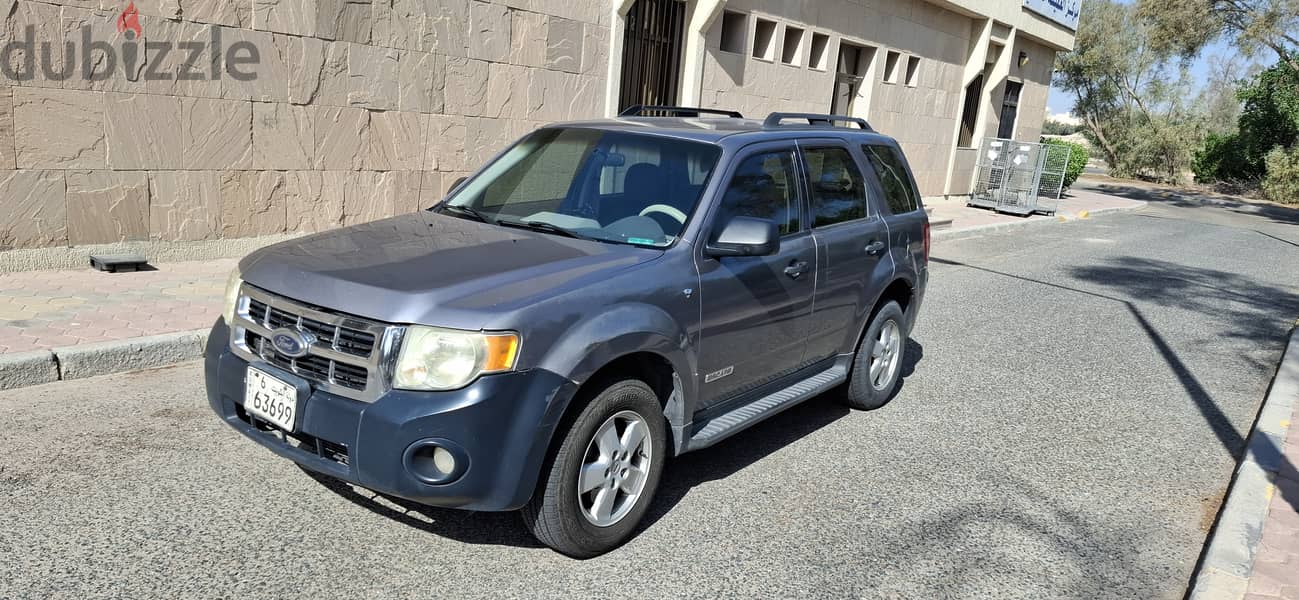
x,y
926,240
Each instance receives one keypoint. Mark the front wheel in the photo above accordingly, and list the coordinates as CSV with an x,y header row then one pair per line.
x,y
601,480
878,363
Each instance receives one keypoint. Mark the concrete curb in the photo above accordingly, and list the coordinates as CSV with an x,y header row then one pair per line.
x,y
969,232
103,358
1228,559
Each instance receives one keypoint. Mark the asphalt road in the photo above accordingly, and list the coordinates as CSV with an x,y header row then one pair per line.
x,y
1075,398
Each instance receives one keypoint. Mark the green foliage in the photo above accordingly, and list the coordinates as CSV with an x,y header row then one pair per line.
x,y
1185,27
1221,159
1077,159
1282,181
1269,119
1050,127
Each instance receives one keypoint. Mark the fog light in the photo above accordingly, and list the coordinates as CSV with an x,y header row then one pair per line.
x,y
435,461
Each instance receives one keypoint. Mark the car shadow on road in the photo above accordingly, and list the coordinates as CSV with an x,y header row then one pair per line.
x,y
681,475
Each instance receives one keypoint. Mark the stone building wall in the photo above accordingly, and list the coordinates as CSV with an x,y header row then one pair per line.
x,y
359,109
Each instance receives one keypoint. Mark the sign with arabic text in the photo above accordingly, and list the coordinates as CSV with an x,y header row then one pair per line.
x,y
1064,12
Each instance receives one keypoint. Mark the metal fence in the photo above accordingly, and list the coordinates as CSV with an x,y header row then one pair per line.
x,y
1019,177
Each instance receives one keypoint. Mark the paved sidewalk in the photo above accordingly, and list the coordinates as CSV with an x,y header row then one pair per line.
x,y
1276,566
1071,206
45,310
41,310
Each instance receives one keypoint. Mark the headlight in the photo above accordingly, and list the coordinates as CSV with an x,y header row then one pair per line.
x,y
232,296
444,359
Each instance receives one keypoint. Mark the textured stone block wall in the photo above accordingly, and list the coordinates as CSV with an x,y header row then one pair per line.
x,y
360,109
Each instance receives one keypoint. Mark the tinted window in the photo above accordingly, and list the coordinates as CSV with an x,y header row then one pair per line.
x,y
838,190
611,186
763,187
893,176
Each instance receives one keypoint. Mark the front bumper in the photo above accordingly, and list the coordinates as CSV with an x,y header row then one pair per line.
x,y
501,425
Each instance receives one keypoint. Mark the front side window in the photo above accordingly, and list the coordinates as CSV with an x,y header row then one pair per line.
x,y
763,187
605,185
892,172
838,189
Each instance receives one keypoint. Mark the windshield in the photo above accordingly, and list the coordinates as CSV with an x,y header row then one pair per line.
x,y
605,185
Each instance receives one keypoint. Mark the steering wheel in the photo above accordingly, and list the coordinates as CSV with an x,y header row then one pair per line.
x,y
676,214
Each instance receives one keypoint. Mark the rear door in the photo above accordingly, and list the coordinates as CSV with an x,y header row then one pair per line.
x,y
755,309
851,240
903,211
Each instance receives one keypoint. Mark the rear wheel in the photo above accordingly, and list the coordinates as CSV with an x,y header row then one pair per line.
x,y
601,480
878,361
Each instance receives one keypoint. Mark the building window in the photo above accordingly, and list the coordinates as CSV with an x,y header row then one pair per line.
x,y
891,67
764,40
651,53
970,112
1009,110
853,61
913,71
816,55
734,31
792,52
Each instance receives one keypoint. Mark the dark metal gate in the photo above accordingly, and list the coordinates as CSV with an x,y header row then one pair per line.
x,y
651,53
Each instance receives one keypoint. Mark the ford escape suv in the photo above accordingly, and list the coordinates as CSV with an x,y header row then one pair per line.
x,y
600,297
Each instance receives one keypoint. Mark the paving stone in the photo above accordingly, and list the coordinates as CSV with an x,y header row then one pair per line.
x,y
445,31
307,57
313,206
296,17
237,13
58,129
284,136
564,45
342,138
107,206
445,138
184,205
264,78
421,81
396,141
143,131
8,159
252,203
345,20
217,133
489,26
331,82
528,38
398,24
364,199
33,209
466,86
595,49
373,77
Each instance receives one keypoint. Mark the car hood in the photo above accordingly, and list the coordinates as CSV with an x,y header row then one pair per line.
x,y
434,269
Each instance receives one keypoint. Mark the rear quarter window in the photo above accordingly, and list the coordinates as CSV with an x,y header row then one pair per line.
x,y
891,169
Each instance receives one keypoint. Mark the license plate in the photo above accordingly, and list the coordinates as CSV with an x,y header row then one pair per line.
x,y
271,399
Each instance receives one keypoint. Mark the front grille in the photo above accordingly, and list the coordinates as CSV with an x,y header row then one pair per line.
x,y
302,441
343,339
348,357
315,368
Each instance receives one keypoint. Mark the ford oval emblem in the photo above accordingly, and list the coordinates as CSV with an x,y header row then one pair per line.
x,y
291,342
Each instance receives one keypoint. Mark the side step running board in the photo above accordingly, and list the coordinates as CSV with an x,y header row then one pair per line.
x,y
731,423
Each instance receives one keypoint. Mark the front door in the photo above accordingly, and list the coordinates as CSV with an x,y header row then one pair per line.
x,y
756,308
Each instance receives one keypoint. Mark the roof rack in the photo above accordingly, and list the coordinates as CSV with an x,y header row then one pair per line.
x,y
645,110
813,119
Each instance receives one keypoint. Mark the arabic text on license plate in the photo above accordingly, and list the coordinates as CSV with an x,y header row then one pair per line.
x,y
271,399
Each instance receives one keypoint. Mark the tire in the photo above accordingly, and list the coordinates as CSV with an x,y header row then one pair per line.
x,y
583,525
867,390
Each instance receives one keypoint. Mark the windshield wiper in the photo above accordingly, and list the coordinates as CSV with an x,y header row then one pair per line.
x,y
464,211
544,227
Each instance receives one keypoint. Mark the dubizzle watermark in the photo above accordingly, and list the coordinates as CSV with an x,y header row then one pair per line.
x,y
130,54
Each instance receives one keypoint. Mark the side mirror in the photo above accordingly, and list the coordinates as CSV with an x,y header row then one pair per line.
x,y
455,185
745,236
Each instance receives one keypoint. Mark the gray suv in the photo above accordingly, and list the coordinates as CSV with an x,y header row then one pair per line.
x,y
600,297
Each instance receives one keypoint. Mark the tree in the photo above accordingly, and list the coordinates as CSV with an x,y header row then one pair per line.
x,y
1130,93
1269,119
1185,26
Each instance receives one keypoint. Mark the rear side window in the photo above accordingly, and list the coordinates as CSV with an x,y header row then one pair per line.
x,y
888,165
838,189
763,188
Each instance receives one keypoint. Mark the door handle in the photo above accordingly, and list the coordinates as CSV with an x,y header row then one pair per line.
x,y
796,269
874,247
